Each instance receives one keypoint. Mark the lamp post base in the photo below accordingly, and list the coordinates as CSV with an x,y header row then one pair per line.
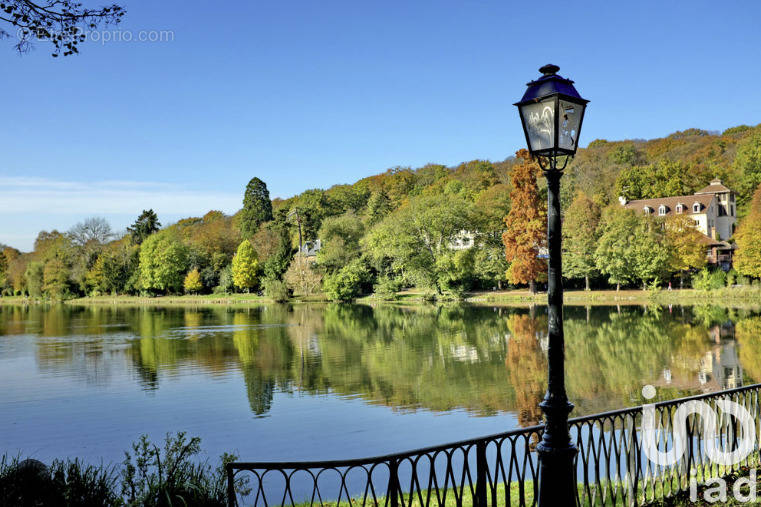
x,y
557,477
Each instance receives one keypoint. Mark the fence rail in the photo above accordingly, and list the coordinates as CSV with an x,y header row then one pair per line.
x,y
501,469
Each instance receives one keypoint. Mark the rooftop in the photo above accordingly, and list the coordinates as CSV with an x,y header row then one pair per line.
x,y
672,202
716,187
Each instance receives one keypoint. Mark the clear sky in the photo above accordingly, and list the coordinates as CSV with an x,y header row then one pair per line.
x,y
310,94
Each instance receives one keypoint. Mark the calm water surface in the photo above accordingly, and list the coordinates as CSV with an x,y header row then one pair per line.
x,y
337,381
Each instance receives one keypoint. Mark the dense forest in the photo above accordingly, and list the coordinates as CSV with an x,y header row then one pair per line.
x,y
444,230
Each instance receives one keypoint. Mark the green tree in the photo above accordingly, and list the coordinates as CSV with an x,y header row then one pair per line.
x,y
163,263
613,252
664,178
192,283
748,237
257,207
55,277
686,246
580,238
276,264
378,206
747,166
631,247
525,225
145,225
411,239
33,276
340,237
245,266
347,283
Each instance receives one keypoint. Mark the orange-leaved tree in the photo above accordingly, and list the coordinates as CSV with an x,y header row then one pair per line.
x,y
748,237
526,225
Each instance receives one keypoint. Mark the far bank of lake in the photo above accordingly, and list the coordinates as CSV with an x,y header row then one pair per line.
x,y
734,296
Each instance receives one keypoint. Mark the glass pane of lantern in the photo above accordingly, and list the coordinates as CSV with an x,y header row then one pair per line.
x,y
539,118
570,116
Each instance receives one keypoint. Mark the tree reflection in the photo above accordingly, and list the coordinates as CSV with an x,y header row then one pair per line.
x,y
440,358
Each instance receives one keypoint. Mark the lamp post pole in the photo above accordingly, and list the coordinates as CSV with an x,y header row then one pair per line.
x,y
557,478
552,112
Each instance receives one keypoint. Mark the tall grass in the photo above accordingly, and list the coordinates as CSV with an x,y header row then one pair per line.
x,y
169,475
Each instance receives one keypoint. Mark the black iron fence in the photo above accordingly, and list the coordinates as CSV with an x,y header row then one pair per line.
x,y
612,468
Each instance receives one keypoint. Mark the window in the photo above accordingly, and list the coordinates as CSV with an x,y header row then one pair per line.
x,y
661,210
648,210
680,208
696,207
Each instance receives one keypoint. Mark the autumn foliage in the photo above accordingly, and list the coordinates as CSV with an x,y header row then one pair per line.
x,y
525,224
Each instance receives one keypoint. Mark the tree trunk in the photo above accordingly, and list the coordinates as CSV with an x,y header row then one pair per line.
x,y
586,281
618,287
532,287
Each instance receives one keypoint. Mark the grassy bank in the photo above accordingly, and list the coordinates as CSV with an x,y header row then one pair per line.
x,y
734,296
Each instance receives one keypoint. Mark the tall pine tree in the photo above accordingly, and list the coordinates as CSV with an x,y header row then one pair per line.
x,y
526,225
257,207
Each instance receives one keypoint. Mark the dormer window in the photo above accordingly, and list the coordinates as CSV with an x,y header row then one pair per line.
x,y
661,210
696,207
648,210
680,208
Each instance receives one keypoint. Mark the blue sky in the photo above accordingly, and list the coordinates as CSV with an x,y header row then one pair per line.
x,y
309,94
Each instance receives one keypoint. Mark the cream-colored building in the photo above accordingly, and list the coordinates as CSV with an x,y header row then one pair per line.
x,y
713,209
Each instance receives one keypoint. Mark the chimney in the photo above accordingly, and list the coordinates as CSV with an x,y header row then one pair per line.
x,y
622,200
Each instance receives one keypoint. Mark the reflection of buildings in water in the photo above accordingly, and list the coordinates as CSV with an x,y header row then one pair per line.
x,y
464,353
719,368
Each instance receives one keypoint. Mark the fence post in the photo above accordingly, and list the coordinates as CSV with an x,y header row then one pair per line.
x,y
231,501
393,483
481,465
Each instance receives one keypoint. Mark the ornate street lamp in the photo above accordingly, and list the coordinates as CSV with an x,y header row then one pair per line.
x,y
551,113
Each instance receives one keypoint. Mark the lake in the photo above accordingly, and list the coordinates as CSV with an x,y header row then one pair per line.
x,y
287,382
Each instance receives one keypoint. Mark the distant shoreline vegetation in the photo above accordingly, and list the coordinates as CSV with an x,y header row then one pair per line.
x,y
443,232
722,296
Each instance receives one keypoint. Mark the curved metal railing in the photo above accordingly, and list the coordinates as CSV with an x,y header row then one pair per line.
x,y
501,469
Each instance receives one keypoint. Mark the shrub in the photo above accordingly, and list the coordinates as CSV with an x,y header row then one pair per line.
x,y
717,280
226,285
346,284
276,290
155,477
701,280
151,477
386,288
68,483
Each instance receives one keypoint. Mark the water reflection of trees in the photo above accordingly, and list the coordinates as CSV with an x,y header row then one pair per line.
x,y
484,360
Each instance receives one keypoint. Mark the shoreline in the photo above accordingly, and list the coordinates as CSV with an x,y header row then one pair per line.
x,y
744,296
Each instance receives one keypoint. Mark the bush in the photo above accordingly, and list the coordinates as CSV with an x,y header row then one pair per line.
x,y
386,288
731,278
276,290
709,280
162,477
226,285
346,284
701,280
718,280
68,483
151,477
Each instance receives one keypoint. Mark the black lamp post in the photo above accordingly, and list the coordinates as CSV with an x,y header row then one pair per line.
x,y
551,112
